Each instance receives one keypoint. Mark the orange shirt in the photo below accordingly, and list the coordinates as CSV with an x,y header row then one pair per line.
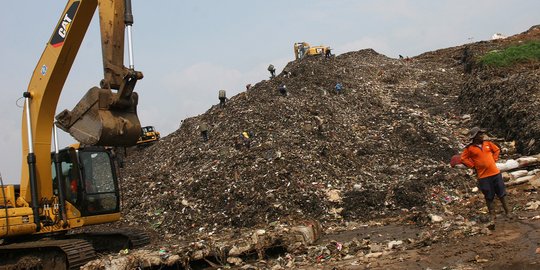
x,y
482,158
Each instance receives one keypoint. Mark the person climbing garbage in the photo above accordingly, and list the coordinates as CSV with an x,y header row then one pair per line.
x,y
328,53
243,140
203,128
283,90
339,88
222,95
246,139
272,71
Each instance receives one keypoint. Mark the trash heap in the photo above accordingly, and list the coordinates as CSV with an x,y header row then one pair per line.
x,y
313,154
381,146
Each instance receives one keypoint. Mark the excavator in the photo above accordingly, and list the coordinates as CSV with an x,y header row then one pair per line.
x,y
63,191
303,49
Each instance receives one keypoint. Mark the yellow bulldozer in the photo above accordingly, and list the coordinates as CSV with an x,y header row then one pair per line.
x,y
303,49
149,135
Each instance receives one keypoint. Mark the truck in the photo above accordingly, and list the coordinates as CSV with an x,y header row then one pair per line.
x,y
78,185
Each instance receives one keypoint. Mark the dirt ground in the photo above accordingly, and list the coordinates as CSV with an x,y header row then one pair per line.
x,y
513,244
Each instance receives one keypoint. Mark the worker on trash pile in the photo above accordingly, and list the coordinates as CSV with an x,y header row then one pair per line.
x,y
272,71
328,53
246,139
286,73
339,88
248,86
222,98
203,128
243,140
467,59
283,90
481,155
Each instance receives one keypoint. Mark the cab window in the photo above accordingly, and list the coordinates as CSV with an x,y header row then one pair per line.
x,y
101,194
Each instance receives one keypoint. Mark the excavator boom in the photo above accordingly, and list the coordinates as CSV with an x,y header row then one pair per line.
x,y
106,115
80,187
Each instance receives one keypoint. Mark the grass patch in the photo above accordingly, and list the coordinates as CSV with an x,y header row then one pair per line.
x,y
516,54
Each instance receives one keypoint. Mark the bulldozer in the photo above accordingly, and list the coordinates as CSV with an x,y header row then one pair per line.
x,y
149,135
303,49
76,186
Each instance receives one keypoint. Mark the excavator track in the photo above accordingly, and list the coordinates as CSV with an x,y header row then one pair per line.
x,y
46,254
137,239
114,241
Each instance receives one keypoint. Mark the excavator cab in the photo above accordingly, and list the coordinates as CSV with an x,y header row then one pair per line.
x,y
90,180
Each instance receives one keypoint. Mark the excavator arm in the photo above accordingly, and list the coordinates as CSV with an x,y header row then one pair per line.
x,y
103,117
106,115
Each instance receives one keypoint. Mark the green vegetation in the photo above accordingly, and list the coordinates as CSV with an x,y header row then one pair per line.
x,y
511,55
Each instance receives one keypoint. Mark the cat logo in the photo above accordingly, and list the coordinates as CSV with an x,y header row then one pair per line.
x,y
62,30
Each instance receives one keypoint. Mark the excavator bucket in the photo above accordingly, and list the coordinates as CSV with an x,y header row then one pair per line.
x,y
102,118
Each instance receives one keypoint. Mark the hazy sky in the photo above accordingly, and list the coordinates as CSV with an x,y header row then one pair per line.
x,y
188,50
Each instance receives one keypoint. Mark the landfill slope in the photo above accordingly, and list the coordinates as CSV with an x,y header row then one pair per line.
x,y
390,128
508,98
370,152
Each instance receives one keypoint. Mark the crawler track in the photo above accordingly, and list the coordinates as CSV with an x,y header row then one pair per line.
x,y
47,254
114,241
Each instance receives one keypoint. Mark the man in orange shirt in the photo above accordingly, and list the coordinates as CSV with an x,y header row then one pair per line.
x,y
481,155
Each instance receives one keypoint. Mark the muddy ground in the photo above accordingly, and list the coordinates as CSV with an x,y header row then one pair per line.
x,y
512,245
369,165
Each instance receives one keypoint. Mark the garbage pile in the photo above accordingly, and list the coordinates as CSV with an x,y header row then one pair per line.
x,y
375,148
379,146
506,98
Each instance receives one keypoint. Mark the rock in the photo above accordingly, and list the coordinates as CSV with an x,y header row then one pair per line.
x,y
239,250
532,205
435,218
333,195
174,259
394,244
374,248
374,255
234,260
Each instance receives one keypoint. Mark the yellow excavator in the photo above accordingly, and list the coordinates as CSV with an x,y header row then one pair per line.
x,y
303,49
76,186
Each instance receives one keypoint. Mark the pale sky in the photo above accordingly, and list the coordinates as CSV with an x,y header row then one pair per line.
x,y
188,50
